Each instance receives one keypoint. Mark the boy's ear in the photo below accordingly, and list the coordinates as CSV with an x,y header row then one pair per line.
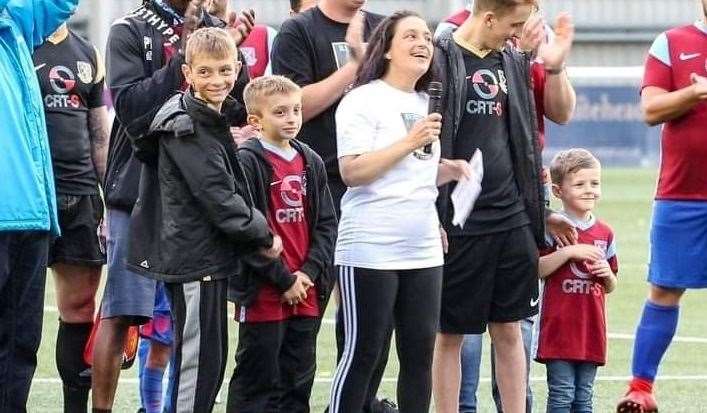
x,y
186,71
556,190
254,121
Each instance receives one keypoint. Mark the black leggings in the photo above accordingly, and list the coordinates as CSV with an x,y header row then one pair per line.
x,y
372,300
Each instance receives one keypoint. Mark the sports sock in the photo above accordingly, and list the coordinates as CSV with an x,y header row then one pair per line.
x,y
143,350
654,333
70,342
151,389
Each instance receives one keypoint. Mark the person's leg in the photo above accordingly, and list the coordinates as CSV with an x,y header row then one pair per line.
x,y
255,384
526,330
515,297
298,363
23,266
584,387
509,365
372,404
143,351
128,299
159,335
446,372
75,287
151,380
655,331
560,386
367,298
416,321
76,259
467,289
470,368
200,343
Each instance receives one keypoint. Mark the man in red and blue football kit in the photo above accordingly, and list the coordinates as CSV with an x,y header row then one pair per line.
x,y
674,93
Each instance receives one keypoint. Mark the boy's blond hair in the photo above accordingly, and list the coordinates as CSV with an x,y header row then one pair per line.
x,y
571,161
212,42
266,86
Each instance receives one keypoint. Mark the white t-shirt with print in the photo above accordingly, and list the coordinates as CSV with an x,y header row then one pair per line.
x,y
391,223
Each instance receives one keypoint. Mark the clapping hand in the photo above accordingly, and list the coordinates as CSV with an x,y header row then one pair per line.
x,y
239,27
554,54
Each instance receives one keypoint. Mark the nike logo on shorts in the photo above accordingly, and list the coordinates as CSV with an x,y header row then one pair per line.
x,y
534,301
39,66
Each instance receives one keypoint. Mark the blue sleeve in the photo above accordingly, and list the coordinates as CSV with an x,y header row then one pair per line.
x,y
38,19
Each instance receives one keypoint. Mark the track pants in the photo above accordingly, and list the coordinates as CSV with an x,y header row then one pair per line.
x,y
200,343
275,366
372,300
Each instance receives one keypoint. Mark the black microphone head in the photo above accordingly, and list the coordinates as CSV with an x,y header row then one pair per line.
x,y
434,90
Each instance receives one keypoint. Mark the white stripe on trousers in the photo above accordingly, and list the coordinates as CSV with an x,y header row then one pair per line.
x,y
348,301
191,343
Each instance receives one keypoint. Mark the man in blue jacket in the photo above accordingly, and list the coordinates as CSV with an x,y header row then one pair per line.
x,y
27,202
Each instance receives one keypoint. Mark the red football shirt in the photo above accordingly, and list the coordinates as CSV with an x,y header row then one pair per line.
x,y
673,57
572,321
287,218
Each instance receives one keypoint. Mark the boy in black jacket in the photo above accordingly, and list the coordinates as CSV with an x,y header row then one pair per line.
x,y
194,217
280,305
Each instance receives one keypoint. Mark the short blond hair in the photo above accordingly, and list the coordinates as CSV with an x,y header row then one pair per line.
x,y
212,42
571,161
500,7
263,87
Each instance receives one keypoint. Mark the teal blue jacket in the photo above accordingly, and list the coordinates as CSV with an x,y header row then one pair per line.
x,y
27,199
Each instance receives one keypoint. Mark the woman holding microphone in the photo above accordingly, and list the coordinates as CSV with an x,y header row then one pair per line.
x,y
389,250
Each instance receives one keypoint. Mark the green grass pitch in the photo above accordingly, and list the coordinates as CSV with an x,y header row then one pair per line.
x,y
626,206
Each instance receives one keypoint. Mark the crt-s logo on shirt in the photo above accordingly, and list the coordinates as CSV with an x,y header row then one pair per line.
x,y
487,86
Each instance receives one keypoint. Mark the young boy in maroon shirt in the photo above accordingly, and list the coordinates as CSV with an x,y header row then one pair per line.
x,y
572,326
279,304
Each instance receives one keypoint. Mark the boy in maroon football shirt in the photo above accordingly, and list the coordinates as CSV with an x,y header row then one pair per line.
x,y
572,327
279,305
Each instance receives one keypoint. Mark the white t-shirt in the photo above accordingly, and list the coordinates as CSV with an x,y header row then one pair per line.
x,y
391,223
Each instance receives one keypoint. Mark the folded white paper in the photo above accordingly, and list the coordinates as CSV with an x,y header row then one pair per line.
x,y
467,190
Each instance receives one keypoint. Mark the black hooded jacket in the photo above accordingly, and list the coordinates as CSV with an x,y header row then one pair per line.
x,y
194,218
321,218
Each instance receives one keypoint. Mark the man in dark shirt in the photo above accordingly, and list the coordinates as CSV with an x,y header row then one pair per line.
x,y
71,75
320,49
490,275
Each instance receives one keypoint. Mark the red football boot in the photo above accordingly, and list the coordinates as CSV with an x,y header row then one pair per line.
x,y
638,399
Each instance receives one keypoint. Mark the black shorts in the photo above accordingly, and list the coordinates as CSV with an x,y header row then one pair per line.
x,y
79,217
489,278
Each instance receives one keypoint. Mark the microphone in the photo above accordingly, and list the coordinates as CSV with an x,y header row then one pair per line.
x,y
434,90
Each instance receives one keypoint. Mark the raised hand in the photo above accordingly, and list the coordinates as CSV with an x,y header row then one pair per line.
x,y
239,27
354,36
192,16
554,54
533,34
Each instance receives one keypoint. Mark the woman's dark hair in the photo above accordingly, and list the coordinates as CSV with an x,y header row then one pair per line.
x,y
374,64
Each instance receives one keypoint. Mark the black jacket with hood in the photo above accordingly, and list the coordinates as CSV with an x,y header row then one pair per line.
x,y
194,218
321,218
522,125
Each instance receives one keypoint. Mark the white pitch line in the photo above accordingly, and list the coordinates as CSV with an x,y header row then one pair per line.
x,y
54,380
613,336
